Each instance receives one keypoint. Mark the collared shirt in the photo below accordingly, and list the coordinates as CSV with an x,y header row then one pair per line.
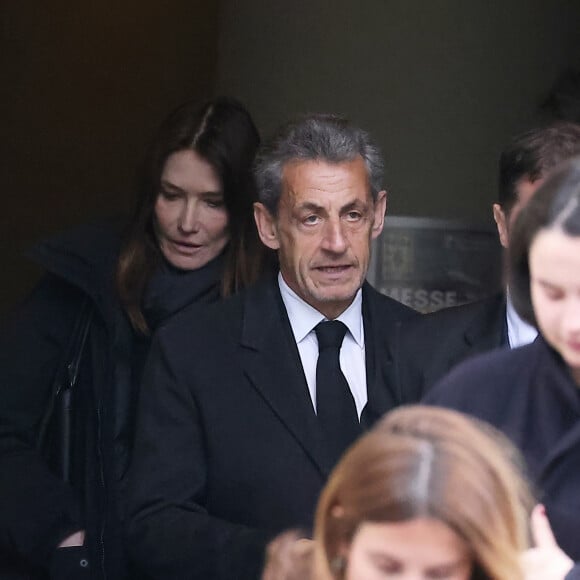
x,y
304,318
520,332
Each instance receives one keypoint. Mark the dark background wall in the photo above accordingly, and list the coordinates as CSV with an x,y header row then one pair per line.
x,y
442,85
84,84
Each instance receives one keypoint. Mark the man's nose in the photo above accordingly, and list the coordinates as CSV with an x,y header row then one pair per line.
x,y
334,238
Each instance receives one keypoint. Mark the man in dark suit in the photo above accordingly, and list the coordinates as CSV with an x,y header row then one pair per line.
x,y
240,418
433,344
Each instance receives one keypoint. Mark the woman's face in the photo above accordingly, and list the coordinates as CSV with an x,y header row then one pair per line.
x,y
554,260
191,221
417,549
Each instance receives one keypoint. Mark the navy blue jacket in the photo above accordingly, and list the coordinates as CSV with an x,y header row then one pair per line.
x,y
528,394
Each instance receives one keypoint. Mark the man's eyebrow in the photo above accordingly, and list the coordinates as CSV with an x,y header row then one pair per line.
x,y
356,204
310,206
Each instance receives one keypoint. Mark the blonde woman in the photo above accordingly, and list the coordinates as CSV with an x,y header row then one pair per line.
x,y
428,494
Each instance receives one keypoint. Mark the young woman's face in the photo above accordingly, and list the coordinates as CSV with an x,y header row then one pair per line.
x,y
191,221
418,549
554,260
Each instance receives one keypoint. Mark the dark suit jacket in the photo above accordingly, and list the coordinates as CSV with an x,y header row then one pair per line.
x,y
228,451
429,346
528,394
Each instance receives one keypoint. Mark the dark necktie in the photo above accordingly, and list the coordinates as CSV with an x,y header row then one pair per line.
x,y
335,405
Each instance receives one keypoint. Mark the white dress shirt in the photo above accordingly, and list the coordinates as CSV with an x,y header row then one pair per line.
x,y
520,332
304,318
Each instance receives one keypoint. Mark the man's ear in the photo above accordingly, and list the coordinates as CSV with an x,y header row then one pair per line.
x,y
501,221
266,224
380,209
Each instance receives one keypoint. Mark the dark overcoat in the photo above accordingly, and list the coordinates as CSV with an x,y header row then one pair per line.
x,y
228,451
528,394
37,508
429,346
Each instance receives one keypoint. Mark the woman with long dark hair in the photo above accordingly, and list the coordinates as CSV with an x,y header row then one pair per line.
x,y
216,143
72,356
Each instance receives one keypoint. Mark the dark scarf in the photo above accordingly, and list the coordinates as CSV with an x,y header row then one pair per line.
x,y
170,290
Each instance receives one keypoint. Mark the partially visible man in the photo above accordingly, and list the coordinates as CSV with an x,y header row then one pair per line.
x,y
241,418
433,344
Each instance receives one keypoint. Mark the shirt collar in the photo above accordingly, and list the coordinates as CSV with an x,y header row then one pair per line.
x,y
303,317
519,331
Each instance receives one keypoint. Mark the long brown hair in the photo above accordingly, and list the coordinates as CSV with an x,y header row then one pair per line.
x,y
223,134
429,462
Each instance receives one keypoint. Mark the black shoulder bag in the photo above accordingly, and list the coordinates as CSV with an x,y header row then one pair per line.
x,y
54,434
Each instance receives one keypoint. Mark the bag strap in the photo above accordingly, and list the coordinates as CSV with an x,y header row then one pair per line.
x,y
67,372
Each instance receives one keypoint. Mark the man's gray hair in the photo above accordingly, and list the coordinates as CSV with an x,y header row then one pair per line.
x,y
328,138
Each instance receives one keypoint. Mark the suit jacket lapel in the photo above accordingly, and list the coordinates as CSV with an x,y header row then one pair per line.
x,y
487,331
381,392
272,364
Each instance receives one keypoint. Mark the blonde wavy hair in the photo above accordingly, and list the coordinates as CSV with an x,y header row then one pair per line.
x,y
430,462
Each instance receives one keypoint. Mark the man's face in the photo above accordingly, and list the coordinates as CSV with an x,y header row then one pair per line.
x,y
505,220
323,231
